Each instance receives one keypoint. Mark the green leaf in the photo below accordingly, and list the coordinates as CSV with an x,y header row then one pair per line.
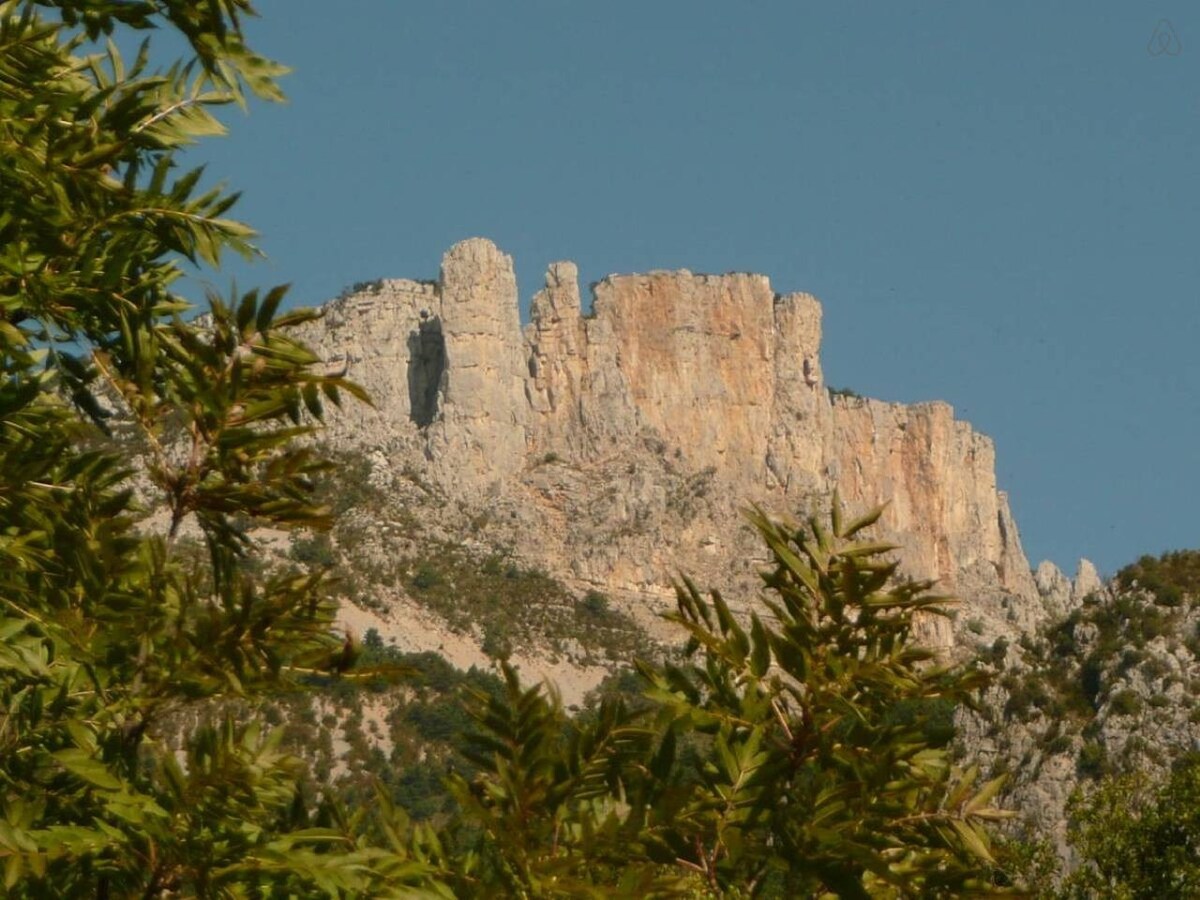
x,y
972,839
985,796
12,870
82,765
760,656
864,521
266,311
83,736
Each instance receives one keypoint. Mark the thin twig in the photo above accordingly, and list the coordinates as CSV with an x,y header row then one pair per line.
x,y
158,116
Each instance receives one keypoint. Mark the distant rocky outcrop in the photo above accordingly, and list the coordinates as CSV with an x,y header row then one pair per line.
x,y
616,448
1110,684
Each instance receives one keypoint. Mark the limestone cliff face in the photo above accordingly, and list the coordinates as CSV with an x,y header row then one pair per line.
x,y
480,419
617,448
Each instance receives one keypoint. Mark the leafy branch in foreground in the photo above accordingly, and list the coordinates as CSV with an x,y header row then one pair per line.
x,y
121,423
798,755
558,805
823,773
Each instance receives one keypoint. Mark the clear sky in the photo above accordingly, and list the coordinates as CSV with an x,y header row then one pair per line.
x,y
998,204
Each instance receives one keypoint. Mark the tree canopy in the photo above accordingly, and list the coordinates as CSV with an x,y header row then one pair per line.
x,y
114,406
1138,839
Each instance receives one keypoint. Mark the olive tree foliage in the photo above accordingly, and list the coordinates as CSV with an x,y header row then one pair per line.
x,y
794,758
107,625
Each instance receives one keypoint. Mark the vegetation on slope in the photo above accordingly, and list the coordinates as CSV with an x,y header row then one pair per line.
x,y
1114,687
486,592
1119,654
1138,838
1172,578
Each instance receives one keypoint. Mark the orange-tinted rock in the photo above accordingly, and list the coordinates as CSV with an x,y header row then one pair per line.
x,y
681,399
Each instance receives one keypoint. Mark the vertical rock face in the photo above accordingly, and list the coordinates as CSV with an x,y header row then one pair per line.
x,y
801,424
935,471
697,354
938,475
626,441
446,366
386,333
557,359
479,437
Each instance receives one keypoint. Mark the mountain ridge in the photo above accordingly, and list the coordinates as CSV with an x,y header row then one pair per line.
x,y
621,444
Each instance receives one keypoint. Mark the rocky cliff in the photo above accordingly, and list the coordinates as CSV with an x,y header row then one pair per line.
x,y
615,448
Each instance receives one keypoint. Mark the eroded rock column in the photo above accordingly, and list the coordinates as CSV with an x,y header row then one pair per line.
x,y
479,438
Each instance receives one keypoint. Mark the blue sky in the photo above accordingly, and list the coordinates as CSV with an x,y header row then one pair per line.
x,y
998,205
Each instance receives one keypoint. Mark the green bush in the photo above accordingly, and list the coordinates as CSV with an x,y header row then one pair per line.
x,y
1060,743
1093,760
1192,642
1024,694
1154,667
845,393
789,753
496,643
527,607
132,671
934,717
595,603
427,577
347,485
313,550
1137,838
1170,578
1125,703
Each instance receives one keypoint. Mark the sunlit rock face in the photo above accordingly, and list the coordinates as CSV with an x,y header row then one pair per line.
x,y
617,448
